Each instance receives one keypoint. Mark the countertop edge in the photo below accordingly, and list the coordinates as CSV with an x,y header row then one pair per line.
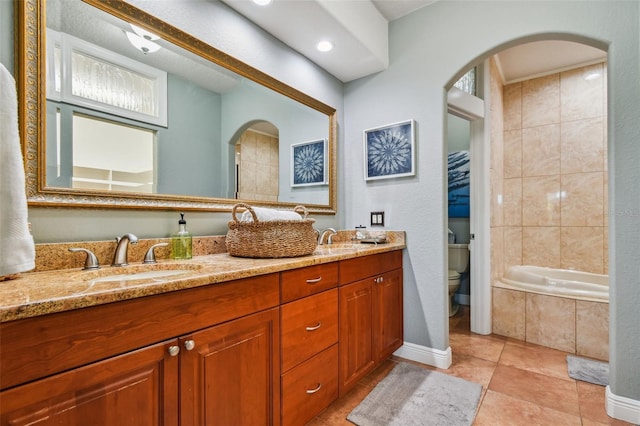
x,y
210,274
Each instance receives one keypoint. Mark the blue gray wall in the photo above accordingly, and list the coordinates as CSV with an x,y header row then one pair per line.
x,y
430,49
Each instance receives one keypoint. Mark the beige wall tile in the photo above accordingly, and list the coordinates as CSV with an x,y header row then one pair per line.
x,y
541,150
497,254
582,93
508,308
541,246
541,101
582,248
512,246
582,202
540,195
497,199
582,145
512,154
605,250
512,202
550,321
592,329
512,96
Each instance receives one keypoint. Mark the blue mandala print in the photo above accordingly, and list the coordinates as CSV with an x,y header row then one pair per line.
x,y
389,151
308,163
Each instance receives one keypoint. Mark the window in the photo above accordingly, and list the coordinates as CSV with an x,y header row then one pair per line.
x,y
87,75
467,82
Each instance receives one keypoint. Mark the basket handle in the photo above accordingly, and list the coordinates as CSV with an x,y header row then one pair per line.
x,y
246,206
302,210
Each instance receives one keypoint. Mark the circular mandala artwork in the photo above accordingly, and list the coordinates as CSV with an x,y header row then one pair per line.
x,y
389,151
308,163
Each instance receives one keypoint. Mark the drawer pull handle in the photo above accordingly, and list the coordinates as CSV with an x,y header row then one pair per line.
x,y
174,350
310,391
314,327
314,280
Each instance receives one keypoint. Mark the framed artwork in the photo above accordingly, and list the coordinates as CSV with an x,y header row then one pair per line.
x,y
458,176
309,163
389,151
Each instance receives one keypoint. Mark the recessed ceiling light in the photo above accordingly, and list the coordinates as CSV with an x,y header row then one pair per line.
x,y
324,46
262,2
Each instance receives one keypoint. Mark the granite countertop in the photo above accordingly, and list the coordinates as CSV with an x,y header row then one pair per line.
x,y
41,293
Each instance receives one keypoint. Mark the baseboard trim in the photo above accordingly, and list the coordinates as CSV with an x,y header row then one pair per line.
x,y
622,408
433,357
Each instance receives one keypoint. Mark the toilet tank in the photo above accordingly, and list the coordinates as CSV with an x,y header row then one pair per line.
x,y
458,257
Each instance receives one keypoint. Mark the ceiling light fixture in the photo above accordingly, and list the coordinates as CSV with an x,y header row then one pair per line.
x,y
144,33
324,46
142,44
262,2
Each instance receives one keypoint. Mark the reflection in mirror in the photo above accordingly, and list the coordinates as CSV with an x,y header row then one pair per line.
x,y
134,119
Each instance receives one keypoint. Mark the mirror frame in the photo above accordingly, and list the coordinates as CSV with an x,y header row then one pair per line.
x,y
30,45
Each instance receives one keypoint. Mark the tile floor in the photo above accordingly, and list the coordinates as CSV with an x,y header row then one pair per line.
x,y
523,383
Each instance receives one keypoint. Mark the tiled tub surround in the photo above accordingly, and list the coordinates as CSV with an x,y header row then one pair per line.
x,y
549,169
575,326
62,285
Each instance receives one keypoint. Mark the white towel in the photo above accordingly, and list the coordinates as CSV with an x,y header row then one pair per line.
x,y
17,251
268,215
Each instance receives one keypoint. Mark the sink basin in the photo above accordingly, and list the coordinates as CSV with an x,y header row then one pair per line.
x,y
140,272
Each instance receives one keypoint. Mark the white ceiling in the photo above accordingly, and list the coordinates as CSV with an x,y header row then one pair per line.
x,y
358,30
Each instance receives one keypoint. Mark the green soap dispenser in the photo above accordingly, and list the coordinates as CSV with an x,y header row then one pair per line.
x,y
181,241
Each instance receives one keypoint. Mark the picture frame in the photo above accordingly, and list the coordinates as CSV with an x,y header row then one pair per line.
x,y
309,163
389,151
458,166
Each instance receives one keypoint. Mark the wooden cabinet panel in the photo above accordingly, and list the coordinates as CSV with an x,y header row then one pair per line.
x,y
359,268
298,283
231,376
308,326
356,332
310,387
82,336
388,314
138,388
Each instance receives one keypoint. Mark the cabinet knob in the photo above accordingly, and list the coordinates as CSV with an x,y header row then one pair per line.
x,y
314,280
174,350
317,388
314,327
378,280
189,344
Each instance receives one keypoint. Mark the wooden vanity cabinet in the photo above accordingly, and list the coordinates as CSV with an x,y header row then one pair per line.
x,y
309,343
217,361
371,314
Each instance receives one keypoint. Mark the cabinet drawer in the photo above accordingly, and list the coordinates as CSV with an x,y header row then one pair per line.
x,y
308,326
310,387
363,267
303,282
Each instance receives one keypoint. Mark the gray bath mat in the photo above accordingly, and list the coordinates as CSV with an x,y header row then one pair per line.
x,y
588,370
411,395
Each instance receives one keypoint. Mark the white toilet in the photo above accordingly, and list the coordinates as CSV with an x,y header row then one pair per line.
x,y
458,264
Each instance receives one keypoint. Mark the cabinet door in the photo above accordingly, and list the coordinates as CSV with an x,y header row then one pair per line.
x,y
137,388
230,374
356,332
388,311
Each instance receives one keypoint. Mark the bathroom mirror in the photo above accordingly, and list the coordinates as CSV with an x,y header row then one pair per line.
x,y
80,73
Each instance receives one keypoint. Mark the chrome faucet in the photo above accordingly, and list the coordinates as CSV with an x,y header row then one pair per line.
x,y
329,231
120,255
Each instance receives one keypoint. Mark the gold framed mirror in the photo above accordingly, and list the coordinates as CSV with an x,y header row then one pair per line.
x,y
53,180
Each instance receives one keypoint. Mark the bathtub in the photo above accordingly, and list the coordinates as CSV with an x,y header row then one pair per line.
x,y
557,282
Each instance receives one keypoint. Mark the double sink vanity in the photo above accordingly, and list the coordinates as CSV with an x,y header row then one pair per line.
x,y
211,340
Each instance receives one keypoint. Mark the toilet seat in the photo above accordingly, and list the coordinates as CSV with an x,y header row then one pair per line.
x,y
453,275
